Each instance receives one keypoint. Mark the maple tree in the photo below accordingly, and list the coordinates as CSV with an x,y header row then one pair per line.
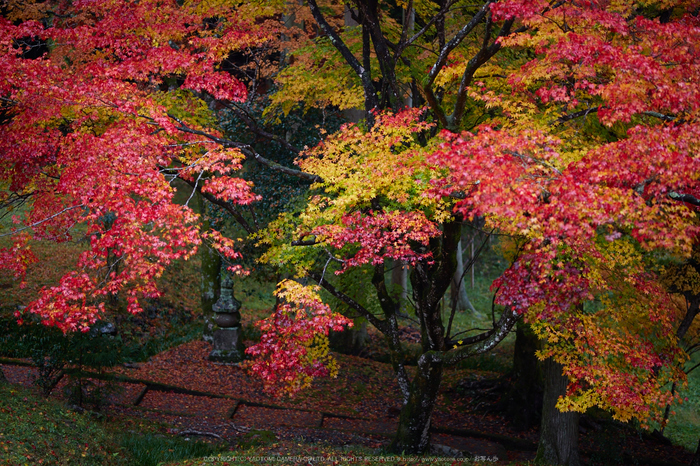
x,y
94,134
592,229
97,125
589,276
117,105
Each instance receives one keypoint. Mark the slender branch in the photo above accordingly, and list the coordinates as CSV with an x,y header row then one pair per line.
x,y
200,433
227,206
460,284
402,45
248,152
483,55
308,242
525,159
442,60
661,116
571,116
480,343
380,324
255,128
407,25
692,368
387,63
39,222
196,185
13,201
371,101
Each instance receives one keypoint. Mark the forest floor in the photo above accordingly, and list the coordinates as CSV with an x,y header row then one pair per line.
x,y
188,395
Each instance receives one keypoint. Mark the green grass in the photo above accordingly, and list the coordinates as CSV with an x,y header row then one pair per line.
x,y
149,449
35,431
684,427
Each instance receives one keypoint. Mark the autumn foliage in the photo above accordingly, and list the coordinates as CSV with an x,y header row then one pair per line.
x,y
582,150
294,346
91,139
595,221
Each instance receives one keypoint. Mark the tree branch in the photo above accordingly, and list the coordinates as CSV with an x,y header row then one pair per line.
x,y
404,44
380,324
370,19
227,206
689,198
427,86
255,128
485,342
483,55
571,116
249,153
371,101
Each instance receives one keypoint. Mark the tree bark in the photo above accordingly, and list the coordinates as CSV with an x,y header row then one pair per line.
x,y
523,404
399,283
559,434
3,379
211,279
430,281
413,433
458,293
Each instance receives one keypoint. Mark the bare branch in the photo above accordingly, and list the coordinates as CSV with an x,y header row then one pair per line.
x,y
478,344
481,57
571,116
442,60
39,222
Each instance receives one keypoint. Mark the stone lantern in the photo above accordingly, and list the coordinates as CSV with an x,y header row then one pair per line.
x,y
228,345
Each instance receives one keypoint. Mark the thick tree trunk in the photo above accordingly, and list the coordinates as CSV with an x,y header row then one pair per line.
x,y
559,434
413,434
523,404
430,282
211,281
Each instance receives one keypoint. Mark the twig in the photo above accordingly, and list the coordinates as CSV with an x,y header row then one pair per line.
x,y
200,433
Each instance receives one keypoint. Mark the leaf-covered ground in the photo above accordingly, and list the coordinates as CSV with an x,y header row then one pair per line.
x,y
191,396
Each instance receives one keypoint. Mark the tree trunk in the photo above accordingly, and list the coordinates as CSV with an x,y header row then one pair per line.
x,y
430,281
399,283
559,434
523,404
413,434
211,279
458,293
3,379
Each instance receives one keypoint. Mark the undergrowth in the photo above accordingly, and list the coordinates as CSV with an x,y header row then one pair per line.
x,y
152,449
684,426
35,430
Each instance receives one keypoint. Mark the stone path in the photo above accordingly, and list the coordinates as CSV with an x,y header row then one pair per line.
x,y
227,417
